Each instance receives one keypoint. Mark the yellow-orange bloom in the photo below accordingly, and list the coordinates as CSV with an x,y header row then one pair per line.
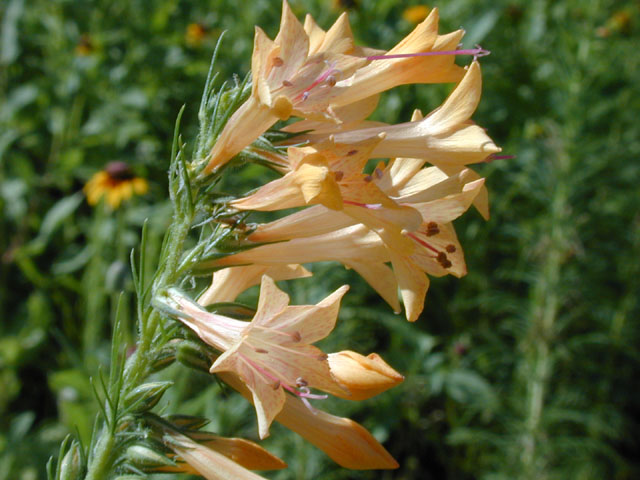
x,y
218,458
445,137
322,76
431,246
228,283
274,351
364,377
346,442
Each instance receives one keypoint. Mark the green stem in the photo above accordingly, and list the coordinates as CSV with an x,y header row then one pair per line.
x,y
100,463
138,365
545,305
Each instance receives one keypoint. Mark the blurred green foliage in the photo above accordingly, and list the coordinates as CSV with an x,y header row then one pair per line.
x,y
525,368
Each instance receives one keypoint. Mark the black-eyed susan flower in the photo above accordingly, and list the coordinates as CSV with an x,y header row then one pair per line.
x,y
116,183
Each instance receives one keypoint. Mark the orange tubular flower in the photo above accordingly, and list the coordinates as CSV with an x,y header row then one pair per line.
x,y
228,283
346,442
446,137
273,352
364,377
220,458
319,75
431,246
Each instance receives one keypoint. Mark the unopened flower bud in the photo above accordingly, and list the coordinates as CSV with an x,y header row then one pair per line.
x,y
72,466
147,395
188,422
164,357
364,377
146,458
193,355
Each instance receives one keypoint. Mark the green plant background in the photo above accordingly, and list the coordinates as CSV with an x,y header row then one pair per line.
x,y
525,368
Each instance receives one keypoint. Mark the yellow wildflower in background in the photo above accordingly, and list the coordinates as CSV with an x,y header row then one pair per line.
x,y
195,34
116,183
415,14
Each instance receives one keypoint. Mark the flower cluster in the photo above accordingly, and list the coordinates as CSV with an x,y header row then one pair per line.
x,y
392,223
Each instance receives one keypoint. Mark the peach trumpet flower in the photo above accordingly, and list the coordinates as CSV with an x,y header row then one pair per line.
x,y
346,442
219,458
271,354
319,75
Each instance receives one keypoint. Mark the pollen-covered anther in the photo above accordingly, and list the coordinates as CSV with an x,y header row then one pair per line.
x,y
338,175
277,62
260,350
368,178
296,336
443,260
282,107
432,229
450,248
351,153
287,83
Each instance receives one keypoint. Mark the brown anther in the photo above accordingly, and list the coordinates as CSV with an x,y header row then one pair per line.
x,y
276,385
351,152
296,336
442,257
378,173
450,248
338,175
331,80
368,178
301,382
446,264
261,350
287,83
432,229
277,62
323,356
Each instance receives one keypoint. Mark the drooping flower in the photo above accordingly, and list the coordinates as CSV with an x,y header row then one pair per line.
x,y
346,442
228,283
319,75
355,246
445,137
116,183
218,458
332,175
430,247
273,352
364,377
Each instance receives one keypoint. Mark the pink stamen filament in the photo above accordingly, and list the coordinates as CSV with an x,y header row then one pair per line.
x,y
302,392
476,52
371,206
493,157
305,93
294,337
423,243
